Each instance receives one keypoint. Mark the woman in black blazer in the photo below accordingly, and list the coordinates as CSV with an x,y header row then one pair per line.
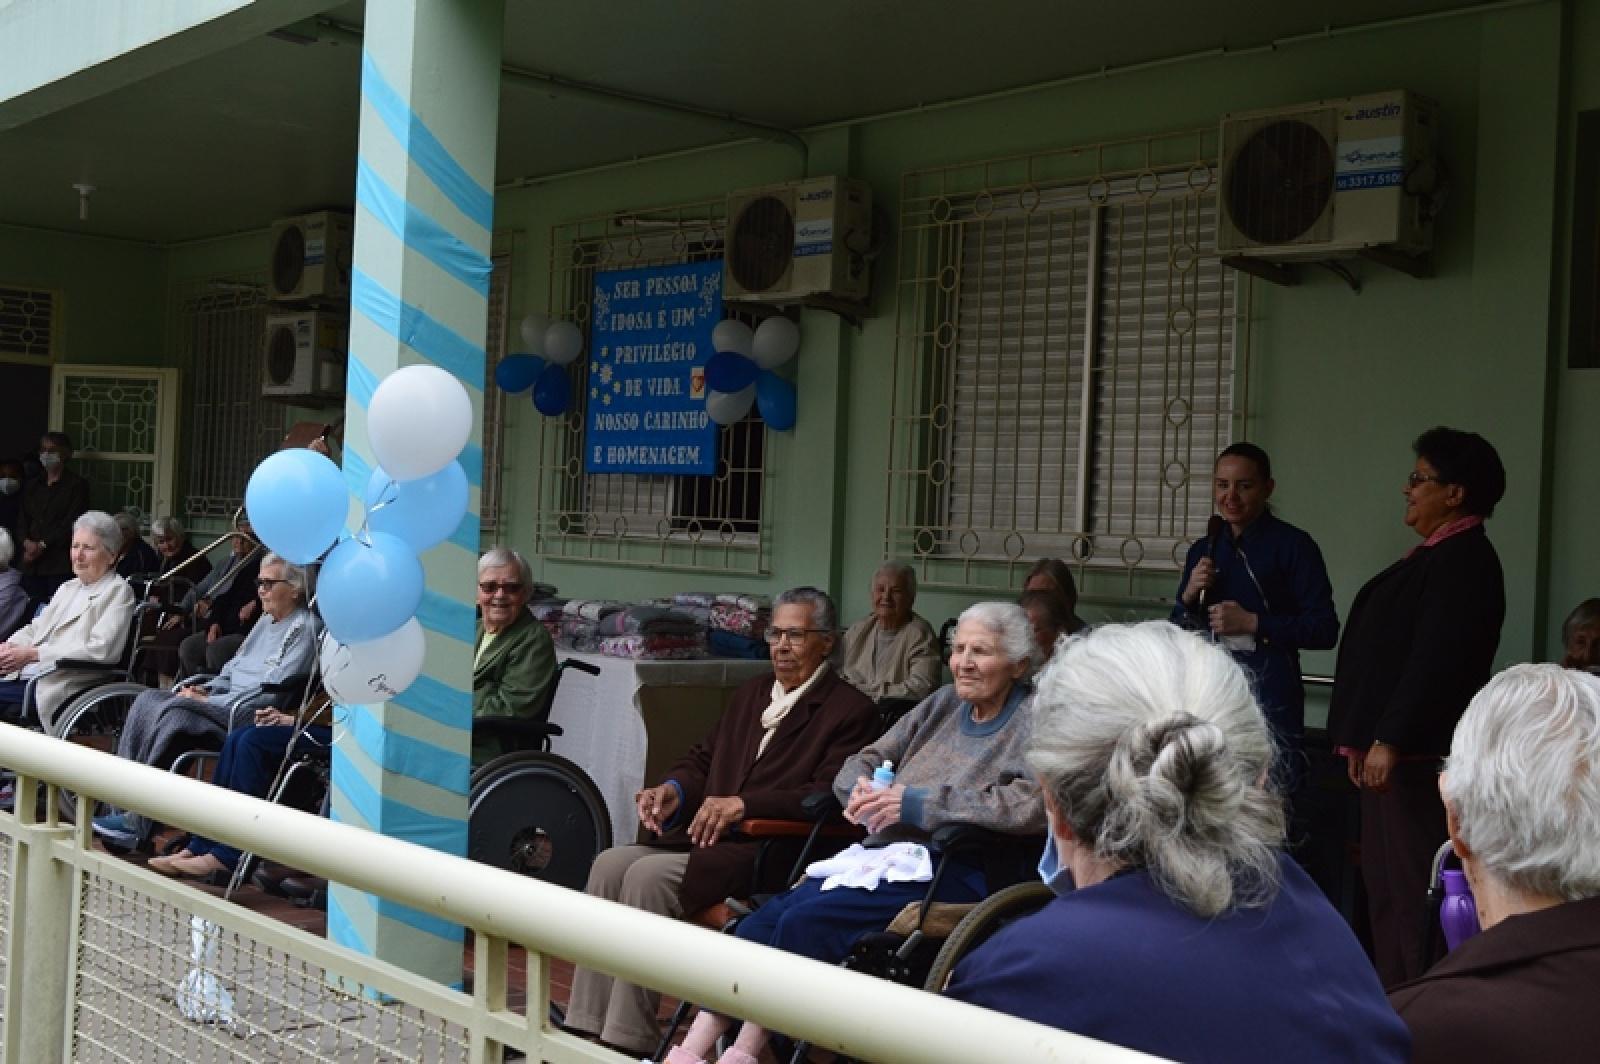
x,y
1420,641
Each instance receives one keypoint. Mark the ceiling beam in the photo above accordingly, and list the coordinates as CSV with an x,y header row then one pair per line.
x,y
555,85
63,52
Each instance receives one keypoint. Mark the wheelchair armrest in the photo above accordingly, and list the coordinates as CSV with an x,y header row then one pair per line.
x,y
820,805
581,666
964,838
292,686
517,733
77,665
764,828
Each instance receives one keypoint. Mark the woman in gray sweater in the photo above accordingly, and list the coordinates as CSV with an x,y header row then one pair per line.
x,y
958,758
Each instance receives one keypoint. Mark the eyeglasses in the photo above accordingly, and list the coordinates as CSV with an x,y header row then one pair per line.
x,y
490,587
791,635
265,583
1414,478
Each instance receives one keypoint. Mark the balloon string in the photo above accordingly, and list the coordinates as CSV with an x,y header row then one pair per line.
x,y
363,535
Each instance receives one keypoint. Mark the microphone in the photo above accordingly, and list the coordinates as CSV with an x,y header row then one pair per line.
x,y
1215,527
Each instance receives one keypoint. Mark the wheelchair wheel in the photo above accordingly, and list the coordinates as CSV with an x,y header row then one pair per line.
x,y
539,815
94,717
987,917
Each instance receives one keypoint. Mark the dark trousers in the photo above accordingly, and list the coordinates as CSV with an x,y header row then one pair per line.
x,y
823,925
1401,830
249,763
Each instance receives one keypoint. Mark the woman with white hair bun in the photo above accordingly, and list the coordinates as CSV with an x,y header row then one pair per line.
x,y
1180,928
1522,801
957,759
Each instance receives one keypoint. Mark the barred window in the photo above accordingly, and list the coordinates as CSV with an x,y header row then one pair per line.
x,y
712,523
1064,361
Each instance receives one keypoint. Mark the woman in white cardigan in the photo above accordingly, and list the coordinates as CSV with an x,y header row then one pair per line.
x,y
87,620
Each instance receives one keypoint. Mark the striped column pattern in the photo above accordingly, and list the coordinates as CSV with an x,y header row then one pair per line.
x,y
424,212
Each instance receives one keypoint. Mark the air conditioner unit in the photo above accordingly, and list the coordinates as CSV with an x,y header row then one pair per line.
x,y
305,357
1330,178
788,242
311,258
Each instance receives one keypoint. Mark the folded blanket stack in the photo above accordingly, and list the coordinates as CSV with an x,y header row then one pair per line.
x,y
548,612
595,610
579,634
731,645
654,647
649,620
746,615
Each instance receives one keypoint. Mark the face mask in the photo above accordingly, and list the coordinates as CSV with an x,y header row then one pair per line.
x,y
1058,879
49,459
9,485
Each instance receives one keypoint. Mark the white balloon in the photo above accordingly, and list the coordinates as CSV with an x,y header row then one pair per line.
x,y
563,343
532,329
418,421
732,336
777,340
363,674
725,408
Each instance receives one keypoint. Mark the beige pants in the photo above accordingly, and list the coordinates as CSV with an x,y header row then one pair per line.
x,y
622,1014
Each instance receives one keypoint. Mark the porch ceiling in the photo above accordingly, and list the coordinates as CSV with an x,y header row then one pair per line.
x,y
229,141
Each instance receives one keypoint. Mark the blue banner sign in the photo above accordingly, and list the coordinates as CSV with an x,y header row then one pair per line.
x,y
649,341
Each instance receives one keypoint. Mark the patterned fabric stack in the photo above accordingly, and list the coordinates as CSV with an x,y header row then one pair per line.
x,y
739,626
651,632
548,611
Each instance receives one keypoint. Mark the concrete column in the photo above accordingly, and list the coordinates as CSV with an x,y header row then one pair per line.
x,y
430,90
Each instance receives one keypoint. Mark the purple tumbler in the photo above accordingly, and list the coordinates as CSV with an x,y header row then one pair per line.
x,y
1458,913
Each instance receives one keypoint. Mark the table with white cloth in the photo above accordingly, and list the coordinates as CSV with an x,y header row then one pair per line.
x,y
637,718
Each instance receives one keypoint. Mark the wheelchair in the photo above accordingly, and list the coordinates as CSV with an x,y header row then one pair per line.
x,y
917,954
529,811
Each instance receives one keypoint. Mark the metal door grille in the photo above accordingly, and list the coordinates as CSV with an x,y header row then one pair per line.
x,y
1064,361
220,323
710,524
27,322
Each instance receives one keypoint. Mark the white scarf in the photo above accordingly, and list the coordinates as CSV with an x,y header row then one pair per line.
x,y
782,702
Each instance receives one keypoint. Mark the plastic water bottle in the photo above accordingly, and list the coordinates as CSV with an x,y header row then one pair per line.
x,y
883,776
1458,913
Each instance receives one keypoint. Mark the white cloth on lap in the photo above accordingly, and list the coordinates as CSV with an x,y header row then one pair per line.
x,y
899,862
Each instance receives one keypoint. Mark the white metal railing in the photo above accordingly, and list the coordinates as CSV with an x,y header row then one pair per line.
x,y
103,958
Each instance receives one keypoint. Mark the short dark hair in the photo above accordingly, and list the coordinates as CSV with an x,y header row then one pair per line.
x,y
1468,460
1250,452
60,439
1054,609
1583,615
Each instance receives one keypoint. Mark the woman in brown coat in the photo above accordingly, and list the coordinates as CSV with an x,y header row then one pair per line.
x,y
782,738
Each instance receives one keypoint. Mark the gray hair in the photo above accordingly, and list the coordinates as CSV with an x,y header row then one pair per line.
x,y
293,575
824,614
501,557
901,572
8,549
128,522
167,526
103,527
1009,622
1155,751
1524,780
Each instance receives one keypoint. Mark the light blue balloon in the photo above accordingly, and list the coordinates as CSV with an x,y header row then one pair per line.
x,y
367,590
297,504
775,398
423,512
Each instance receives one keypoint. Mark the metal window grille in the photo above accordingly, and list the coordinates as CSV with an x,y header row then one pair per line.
x,y
495,343
231,428
712,524
1064,361
27,322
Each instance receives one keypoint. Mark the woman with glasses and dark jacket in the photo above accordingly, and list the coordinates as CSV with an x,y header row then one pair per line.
x,y
1419,643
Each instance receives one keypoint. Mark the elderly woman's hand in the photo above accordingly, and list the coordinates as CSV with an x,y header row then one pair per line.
x,y
14,656
875,809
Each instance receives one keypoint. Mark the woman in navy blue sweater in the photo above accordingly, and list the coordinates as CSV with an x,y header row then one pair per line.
x,y
1190,935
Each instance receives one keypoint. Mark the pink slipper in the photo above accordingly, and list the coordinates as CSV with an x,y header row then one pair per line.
x,y
680,1055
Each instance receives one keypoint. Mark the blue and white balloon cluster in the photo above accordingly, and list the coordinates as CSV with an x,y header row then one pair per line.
x,y
740,373
371,583
551,347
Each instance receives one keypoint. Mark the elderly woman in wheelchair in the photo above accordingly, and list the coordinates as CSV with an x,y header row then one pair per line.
x,y
958,758
87,621
203,711
1181,928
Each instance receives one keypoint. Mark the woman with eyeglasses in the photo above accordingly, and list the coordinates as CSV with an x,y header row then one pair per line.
x,y
1419,643
957,758
514,659
163,724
